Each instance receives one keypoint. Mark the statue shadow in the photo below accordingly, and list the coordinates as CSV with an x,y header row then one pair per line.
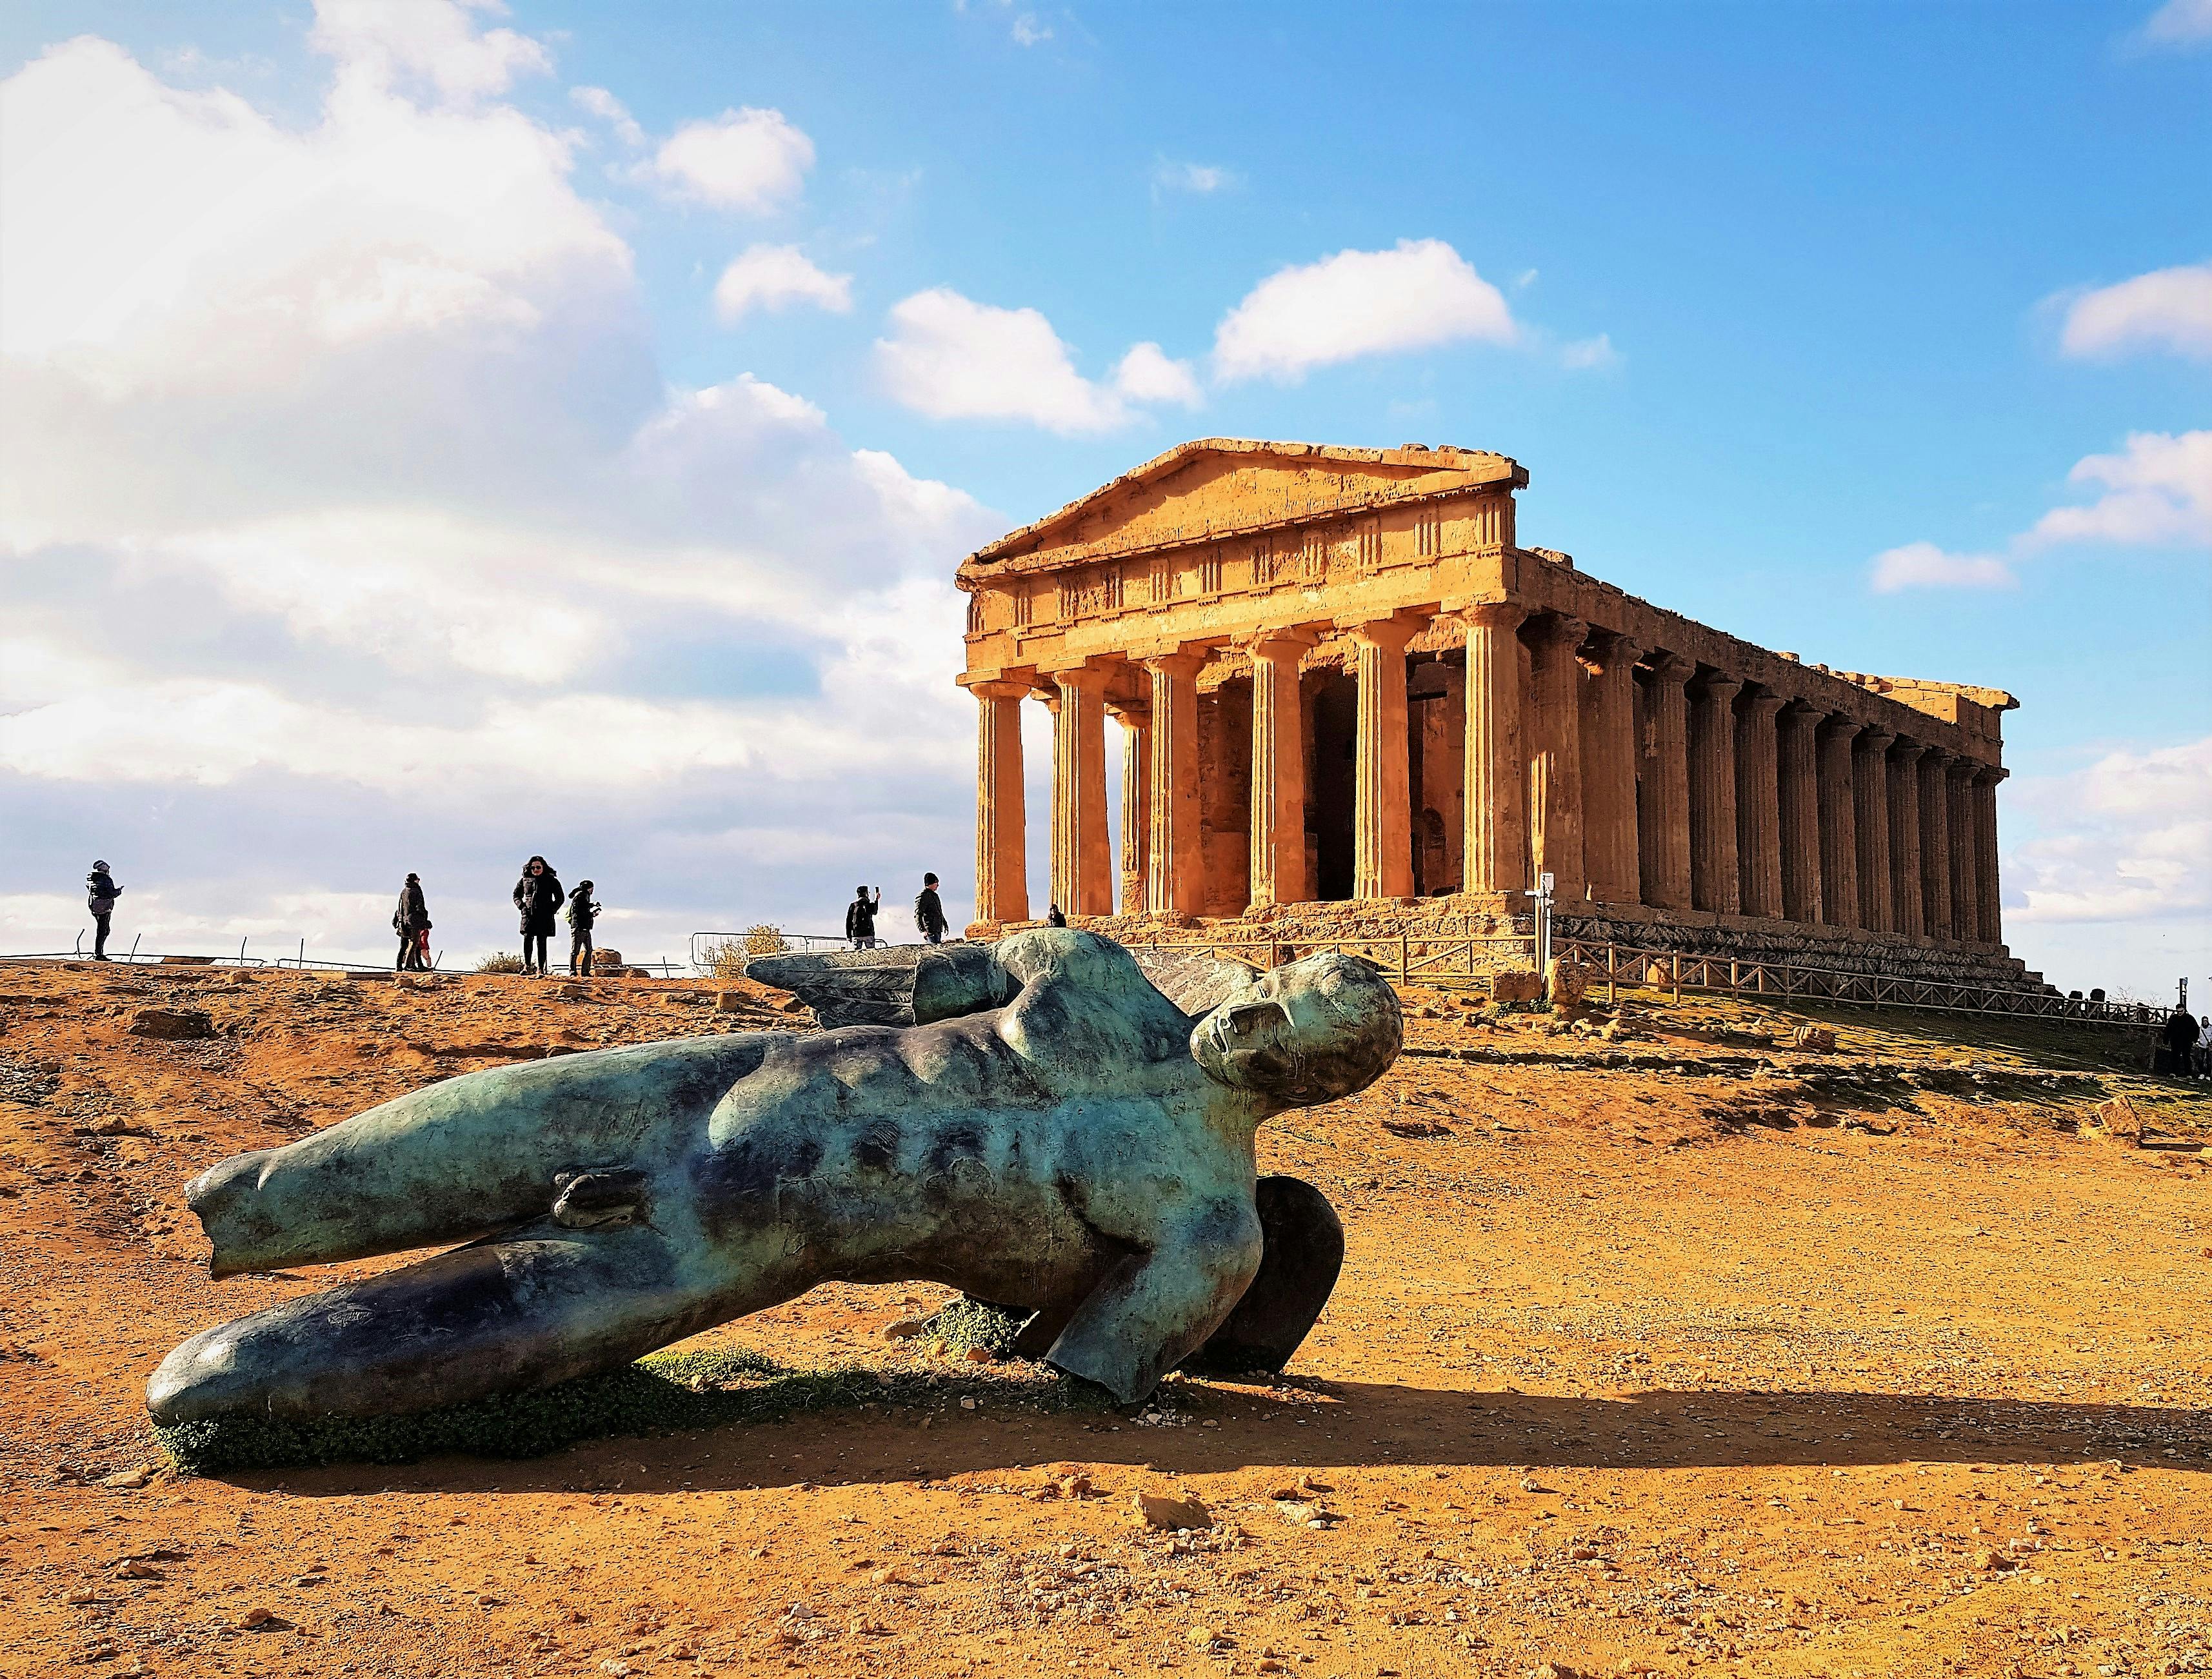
x,y
1310,1424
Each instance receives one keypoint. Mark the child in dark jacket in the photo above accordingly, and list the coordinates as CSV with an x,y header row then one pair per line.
x,y
583,915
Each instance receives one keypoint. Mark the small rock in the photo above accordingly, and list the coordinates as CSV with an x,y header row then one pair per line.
x,y
979,1355
137,1569
1200,1636
1817,1039
2119,1121
1076,1487
968,1404
170,1022
905,1330
1157,1511
128,1480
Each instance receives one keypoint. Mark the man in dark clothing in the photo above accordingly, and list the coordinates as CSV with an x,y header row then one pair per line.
x,y
1055,917
537,895
583,915
929,912
2181,1039
100,892
410,921
860,918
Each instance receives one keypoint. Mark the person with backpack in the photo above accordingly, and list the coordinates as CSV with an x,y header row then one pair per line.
x,y
582,915
929,911
537,896
411,921
860,918
100,892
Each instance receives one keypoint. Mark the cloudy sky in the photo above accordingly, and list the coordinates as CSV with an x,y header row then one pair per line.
x,y
437,432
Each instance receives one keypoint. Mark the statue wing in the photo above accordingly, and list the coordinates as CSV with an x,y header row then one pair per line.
x,y
897,985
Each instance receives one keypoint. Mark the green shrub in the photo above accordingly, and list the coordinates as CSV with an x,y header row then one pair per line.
x,y
962,1324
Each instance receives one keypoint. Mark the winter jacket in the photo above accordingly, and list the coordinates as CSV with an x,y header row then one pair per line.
x,y
929,912
2180,1032
100,892
581,912
413,914
539,897
860,919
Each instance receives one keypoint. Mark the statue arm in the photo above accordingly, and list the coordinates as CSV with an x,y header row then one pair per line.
x,y
1157,1306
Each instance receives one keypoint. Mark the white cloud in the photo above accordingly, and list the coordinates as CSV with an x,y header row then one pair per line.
x,y
952,358
1922,565
1199,179
610,111
1146,374
2183,23
2169,309
1591,353
775,276
1027,31
2158,492
435,40
2128,838
1417,296
751,160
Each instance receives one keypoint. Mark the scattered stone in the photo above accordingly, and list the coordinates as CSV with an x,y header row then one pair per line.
x,y
906,1328
979,1355
170,1022
1819,1039
128,1480
1570,980
2118,1119
1076,1487
1516,985
1156,1510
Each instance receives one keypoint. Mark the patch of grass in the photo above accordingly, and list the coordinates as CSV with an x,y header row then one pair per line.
x,y
662,1393
500,962
961,1323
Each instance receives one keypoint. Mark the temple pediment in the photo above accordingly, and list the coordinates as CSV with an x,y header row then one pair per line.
x,y
1217,487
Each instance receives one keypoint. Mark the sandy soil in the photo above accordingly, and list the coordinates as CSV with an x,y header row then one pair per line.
x,y
1686,1351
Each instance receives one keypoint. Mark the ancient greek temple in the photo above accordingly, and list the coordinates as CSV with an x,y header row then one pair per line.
x,y
1343,681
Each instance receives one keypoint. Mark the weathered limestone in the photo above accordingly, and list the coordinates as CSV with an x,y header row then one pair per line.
x,y
1667,881
1839,839
1935,843
1608,746
1758,804
1990,918
1803,886
1908,898
1555,758
1002,887
1135,717
1870,782
1278,770
1965,852
1176,885
1382,834
1715,881
1082,867
1495,846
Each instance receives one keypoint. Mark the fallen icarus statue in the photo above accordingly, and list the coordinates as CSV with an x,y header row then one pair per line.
x,y
1077,1148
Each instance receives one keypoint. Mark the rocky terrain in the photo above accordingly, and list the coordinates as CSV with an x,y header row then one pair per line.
x,y
1674,1347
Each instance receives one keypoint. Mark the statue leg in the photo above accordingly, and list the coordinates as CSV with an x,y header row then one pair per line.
x,y
1297,1272
542,1305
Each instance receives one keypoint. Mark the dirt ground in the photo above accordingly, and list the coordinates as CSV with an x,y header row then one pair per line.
x,y
1684,1351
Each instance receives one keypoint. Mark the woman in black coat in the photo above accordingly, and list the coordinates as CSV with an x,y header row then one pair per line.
x,y
538,896
410,921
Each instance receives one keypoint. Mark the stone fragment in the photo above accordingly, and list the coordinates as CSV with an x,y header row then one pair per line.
x,y
1817,1039
128,1480
1516,985
2117,1118
1570,982
170,1022
1156,1510
906,1328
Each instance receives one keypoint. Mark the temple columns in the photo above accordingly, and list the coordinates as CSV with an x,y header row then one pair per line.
x,y
1870,797
1935,843
1713,872
1966,852
1803,895
1135,717
1002,887
1082,882
1667,882
1608,745
1991,920
1759,805
1495,836
1839,842
1908,901
1382,818
1278,771
1555,761
1175,883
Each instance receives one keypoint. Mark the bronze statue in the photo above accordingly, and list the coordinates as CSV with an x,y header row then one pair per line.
x,y
1077,1148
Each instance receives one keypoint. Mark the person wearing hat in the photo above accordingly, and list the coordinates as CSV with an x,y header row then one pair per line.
x,y
100,892
929,911
860,918
582,916
411,921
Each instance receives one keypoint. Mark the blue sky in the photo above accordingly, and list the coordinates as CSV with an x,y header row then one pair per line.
x,y
1759,294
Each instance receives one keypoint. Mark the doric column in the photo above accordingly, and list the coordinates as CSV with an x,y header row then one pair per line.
x,y
1759,805
1870,784
1278,770
1082,865
1555,758
1966,852
1176,883
1667,781
1609,731
1908,896
1495,836
1802,884
1713,878
1382,816
1002,884
1991,920
1935,844
1135,717
1839,832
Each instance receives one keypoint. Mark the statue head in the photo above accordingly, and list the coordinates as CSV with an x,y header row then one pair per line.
x,y
1310,1031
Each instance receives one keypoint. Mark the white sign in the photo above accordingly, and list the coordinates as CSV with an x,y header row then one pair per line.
x,y
1546,882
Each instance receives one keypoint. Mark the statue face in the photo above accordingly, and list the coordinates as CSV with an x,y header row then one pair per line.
x,y
1311,1031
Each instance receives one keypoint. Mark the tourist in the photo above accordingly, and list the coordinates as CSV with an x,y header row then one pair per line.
x,y
860,918
411,921
537,895
583,915
2181,1034
2204,1050
1054,915
929,911
100,892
